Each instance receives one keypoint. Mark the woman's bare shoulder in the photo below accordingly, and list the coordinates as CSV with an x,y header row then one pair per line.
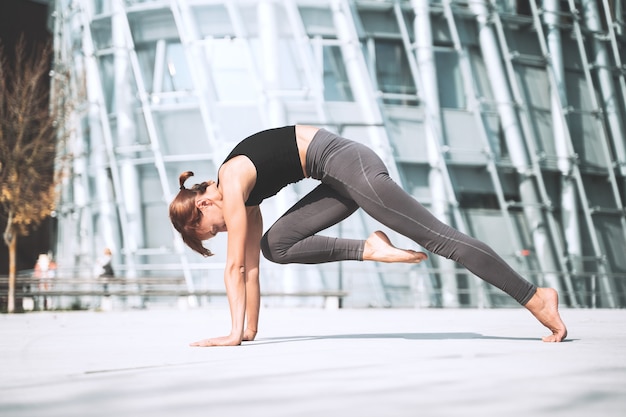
x,y
238,173
237,168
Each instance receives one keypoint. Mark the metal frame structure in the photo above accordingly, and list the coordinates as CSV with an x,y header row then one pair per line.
x,y
540,175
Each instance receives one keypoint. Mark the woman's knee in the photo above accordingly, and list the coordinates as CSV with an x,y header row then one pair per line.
x,y
271,250
265,247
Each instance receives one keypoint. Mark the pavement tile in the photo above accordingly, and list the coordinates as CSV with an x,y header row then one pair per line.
x,y
312,362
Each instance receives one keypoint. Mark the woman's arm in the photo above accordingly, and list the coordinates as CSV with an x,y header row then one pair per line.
x,y
253,291
238,177
234,276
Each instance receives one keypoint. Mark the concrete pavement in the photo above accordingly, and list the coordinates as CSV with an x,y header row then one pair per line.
x,y
312,362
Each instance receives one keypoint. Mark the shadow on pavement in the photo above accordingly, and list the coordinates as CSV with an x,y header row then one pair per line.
x,y
407,336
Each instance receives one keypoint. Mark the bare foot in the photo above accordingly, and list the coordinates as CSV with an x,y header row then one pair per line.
x,y
378,247
249,335
545,307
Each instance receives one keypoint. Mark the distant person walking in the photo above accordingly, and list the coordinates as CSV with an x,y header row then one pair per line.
x,y
104,269
45,271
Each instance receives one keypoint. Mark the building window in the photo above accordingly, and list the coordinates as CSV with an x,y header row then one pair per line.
x,y
336,82
393,73
230,68
449,80
387,56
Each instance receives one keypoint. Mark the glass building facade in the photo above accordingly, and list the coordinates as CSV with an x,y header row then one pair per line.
x,y
505,118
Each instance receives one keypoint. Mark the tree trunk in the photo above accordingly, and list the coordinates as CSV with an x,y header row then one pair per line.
x,y
12,256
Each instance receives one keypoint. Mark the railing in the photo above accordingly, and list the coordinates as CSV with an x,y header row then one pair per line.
x,y
80,293
405,287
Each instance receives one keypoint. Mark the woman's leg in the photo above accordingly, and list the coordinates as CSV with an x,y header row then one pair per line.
x,y
293,238
357,173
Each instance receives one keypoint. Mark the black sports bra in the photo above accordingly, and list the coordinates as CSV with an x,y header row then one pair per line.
x,y
274,153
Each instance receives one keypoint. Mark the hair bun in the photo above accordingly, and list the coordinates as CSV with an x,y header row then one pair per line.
x,y
183,177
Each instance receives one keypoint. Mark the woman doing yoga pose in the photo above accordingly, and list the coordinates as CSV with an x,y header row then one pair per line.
x,y
352,176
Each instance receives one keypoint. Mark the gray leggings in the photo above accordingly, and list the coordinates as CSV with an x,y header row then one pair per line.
x,y
353,176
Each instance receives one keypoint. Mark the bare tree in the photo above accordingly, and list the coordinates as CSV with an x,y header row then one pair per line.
x,y
28,140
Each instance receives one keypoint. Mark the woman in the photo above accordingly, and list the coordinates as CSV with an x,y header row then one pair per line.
x,y
351,176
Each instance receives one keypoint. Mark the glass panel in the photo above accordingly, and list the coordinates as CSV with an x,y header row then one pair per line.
x,y
535,88
318,21
152,25
336,83
176,76
524,42
598,191
101,33
494,137
613,245
571,56
379,21
481,74
156,237
250,19
166,72
463,137
506,6
586,137
230,67
212,21
541,121
449,80
440,30
131,3
509,179
291,72
392,68
407,134
473,187
146,53
153,208
393,74
415,180
182,132
141,133
101,6
150,189
106,66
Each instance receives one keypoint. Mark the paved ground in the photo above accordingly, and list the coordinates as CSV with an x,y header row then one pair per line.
x,y
379,363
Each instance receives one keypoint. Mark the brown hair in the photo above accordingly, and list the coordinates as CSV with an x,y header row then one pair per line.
x,y
184,214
